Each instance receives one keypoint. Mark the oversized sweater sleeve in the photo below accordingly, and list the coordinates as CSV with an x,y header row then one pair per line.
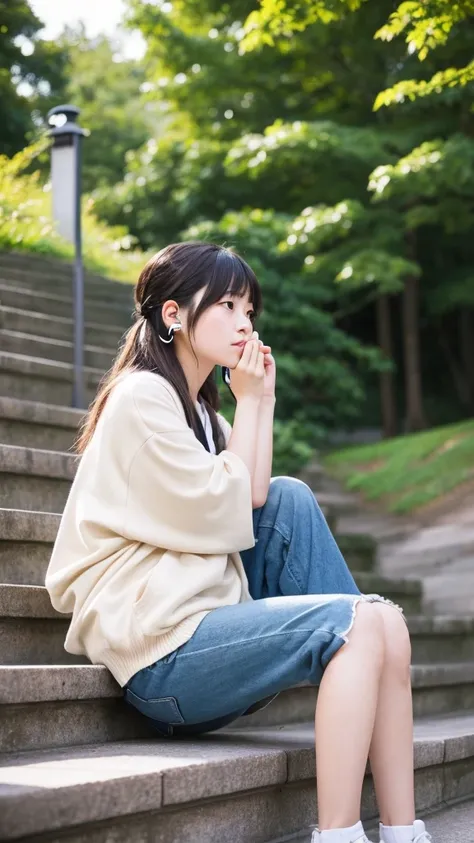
x,y
180,496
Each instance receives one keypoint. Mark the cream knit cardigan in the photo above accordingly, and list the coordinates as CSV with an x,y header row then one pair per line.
x,y
150,536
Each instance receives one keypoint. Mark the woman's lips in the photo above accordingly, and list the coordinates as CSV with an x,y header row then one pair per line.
x,y
239,344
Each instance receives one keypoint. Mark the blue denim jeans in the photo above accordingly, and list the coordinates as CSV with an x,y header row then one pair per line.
x,y
240,657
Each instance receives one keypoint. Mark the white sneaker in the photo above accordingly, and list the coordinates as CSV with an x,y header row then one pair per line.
x,y
420,834
316,838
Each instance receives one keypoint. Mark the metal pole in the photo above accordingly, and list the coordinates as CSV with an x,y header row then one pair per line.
x,y
67,138
78,396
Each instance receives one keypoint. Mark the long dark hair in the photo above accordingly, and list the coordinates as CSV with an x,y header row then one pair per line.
x,y
177,272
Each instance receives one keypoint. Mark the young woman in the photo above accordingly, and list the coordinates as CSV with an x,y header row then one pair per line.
x,y
205,585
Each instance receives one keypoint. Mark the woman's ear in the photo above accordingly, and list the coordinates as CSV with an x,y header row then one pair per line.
x,y
170,311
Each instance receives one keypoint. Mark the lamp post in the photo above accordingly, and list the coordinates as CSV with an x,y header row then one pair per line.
x,y
66,191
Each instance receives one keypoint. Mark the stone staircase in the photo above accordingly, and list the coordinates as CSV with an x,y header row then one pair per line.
x,y
77,763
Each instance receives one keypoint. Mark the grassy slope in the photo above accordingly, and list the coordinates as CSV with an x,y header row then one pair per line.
x,y
409,471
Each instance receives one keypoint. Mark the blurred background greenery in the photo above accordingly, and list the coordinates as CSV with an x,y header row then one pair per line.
x,y
330,142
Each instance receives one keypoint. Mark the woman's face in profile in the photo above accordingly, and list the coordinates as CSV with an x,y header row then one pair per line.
x,y
223,324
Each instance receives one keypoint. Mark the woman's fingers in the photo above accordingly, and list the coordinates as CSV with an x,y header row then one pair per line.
x,y
263,347
255,353
253,347
246,353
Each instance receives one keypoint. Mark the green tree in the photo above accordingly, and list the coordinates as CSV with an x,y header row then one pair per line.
x,y
289,126
318,364
180,185
433,187
109,91
228,138
25,60
214,97
425,25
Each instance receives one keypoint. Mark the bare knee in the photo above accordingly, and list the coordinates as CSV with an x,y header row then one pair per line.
x,y
368,630
397,640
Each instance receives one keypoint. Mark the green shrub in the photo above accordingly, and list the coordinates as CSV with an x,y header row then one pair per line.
x,y
26,222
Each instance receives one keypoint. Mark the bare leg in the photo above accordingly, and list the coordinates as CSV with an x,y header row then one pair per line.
x,y
391,751
345,717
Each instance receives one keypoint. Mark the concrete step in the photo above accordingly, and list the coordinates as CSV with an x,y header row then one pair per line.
x,y
252,786
16,565
37,379
23,562
26,542
408,592
35,425
48,265
58,327
38,346
54,271
451,824
454,824
355,520
62,282
63,286
443,557
27,260
318,480
388,530
43,270
45,706
452,589
337,503
431,549
39,630
28,298
64,705
359,550
35,479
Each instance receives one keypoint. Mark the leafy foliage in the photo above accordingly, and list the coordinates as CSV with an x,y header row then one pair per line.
x,y
426,26
108,92
254,125
435,169
282,19
288,125
24,59
411,89
26,223
317,363
303,158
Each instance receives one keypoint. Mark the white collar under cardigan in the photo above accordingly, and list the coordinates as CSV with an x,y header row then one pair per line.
x,y
150,536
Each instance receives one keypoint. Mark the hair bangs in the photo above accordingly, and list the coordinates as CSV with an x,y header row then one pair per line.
x,y
232,276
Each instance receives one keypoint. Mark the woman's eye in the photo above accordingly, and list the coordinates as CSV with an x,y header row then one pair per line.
x,y
251,314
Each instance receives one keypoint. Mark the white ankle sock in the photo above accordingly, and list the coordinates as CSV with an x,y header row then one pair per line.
x,y
342,835
396,833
